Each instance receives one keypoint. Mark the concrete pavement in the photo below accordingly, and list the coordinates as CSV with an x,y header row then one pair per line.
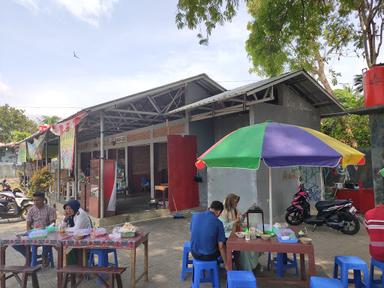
x,y
166,239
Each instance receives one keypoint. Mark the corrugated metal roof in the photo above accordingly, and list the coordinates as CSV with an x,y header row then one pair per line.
x,y
301,81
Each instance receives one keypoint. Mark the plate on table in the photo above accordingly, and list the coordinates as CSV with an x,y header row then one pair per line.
x,y
240,234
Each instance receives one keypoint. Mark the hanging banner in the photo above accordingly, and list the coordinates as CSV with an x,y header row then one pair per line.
x,y
22,154
60,128
35,149
110,178
67,148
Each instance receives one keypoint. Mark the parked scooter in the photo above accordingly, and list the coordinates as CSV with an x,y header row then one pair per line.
x,y
337,214
14,204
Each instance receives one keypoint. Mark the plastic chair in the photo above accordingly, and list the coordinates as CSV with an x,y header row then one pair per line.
x,y
102,257
322,282
281,263
357,265
380,266
200,268
241,279
186,261
37,258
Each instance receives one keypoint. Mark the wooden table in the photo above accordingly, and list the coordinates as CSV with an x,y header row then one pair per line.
x,y
258,245
53,240
105,242
163,188
64,241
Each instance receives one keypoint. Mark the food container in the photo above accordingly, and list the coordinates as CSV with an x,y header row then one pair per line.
x,y
266,236
128,234
38,234
305,240
240,234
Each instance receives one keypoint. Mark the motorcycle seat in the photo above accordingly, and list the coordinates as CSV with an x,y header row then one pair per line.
x,y
321,205
3,202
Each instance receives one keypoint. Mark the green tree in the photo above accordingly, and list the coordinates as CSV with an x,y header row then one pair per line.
x,y
349,129
41,180
14,124
291,34
49,120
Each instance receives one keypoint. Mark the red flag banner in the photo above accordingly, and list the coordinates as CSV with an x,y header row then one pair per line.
x,y
59,128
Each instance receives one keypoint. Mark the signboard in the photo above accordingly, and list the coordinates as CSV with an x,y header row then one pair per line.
x,y
35,149
22,154
67,147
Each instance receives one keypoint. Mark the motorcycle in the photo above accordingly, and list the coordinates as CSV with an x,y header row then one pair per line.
x,y
14,204
337,214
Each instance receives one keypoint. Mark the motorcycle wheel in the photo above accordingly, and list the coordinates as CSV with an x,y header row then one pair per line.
x,y
24,212
294,218
351,223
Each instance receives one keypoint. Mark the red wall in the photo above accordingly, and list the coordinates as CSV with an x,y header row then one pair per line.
x,y
183,192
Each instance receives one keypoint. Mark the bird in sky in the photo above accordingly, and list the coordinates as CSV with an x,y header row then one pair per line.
x,y
74,55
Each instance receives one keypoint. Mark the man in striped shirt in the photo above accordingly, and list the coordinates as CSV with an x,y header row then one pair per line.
x,y
39,216
374,222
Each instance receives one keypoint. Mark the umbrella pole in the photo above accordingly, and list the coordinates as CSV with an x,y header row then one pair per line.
x,y
322,188
270,195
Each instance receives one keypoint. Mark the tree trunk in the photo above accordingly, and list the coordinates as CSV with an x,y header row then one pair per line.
x,y
320,72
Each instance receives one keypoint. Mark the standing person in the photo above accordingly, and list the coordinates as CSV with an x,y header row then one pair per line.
x,y
39,216
374,222
231,218
75,216
207,234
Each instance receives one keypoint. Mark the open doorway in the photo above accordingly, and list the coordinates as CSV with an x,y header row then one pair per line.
x,y
138,191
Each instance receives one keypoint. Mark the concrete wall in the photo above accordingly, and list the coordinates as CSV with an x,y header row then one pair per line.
x,y
252,186
205,138
291,109
7,155
7,170
377,143
195,93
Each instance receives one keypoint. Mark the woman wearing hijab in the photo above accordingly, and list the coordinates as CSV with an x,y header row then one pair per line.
x,y
231,218
75,217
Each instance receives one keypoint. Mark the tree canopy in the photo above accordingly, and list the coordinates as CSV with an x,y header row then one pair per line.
x,y
49,120
14,124
291,34
349,129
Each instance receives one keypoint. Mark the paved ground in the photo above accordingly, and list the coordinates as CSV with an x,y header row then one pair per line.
x,y
165,249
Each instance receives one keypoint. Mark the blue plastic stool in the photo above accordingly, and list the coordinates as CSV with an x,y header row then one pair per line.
x,y
102,257
281,263
380,265
357,265
186,261
241,279
37,258
200,270
324,282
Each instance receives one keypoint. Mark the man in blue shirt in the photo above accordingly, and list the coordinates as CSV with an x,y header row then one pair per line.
x,y
207,234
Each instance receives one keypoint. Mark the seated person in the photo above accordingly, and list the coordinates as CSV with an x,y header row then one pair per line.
x,y
39,216
374,222
207,234
75,216
231,218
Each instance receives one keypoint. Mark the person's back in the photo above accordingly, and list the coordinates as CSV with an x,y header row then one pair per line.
x,y
205,229
374,222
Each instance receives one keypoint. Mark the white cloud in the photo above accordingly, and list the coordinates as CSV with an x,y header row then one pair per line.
x,y
29,4
4,88
89,11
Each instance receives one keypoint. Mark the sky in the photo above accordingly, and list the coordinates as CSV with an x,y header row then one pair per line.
x,y
121,48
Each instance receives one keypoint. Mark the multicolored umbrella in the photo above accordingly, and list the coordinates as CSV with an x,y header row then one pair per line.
x,y
278,145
